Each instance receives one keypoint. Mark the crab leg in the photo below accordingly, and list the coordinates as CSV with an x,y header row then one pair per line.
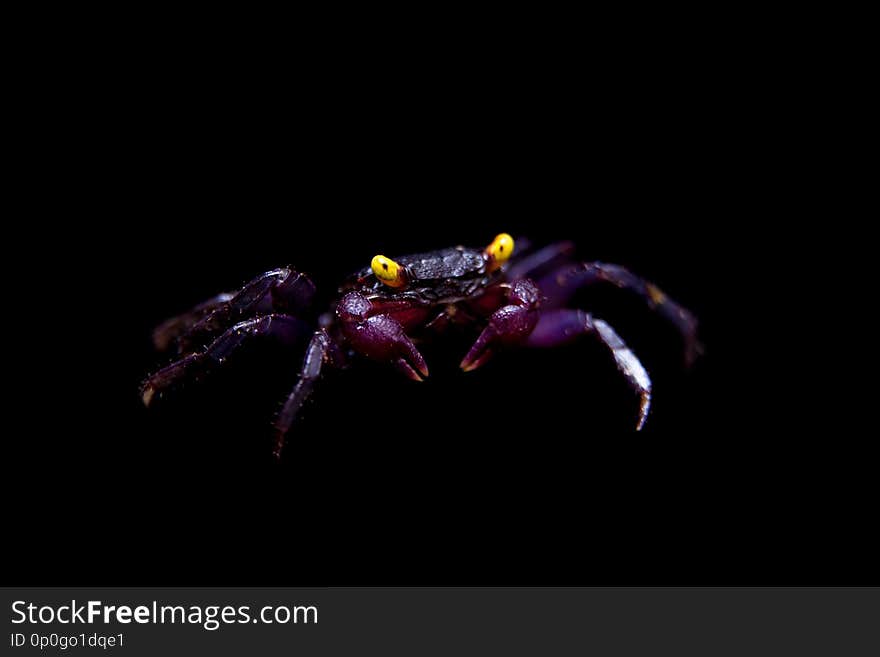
x,y
277,291
562,284
321,350
285,328
170,330
541,261
557,327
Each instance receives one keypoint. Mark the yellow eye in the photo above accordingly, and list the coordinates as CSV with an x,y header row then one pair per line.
x,y
500,249
388,271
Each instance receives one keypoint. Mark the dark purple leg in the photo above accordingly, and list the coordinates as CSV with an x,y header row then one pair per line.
x,y
541,261
284,328
282,291
509,325
561,285
321,350
170,330
556,327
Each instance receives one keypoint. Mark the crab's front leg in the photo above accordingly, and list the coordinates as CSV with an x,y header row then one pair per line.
x,y
321,350
509,325
379,336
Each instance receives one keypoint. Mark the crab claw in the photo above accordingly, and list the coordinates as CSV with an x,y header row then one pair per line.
x,y
407,370
511,324
381,338
388,340
475,358
411,363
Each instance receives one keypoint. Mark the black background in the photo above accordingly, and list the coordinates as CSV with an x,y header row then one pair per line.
x,y
178,178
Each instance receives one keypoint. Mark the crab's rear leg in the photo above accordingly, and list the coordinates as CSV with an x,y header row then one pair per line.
x,y
281,291
561,285
558,327
538,263
284,328
168,332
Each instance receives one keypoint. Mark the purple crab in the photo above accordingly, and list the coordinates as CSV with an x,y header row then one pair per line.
x,y
386,309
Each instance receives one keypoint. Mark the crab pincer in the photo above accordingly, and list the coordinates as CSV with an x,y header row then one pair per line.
x,y
379,337
509,325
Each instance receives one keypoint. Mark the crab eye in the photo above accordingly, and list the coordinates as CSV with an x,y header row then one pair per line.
x,y
500,249
388,271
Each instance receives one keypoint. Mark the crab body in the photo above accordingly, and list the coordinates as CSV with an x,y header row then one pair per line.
x,y
383,311
447,287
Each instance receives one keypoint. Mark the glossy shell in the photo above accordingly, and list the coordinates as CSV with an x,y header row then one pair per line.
x,y
443,276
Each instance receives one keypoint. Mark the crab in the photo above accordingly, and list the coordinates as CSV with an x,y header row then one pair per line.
x,y
383,311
